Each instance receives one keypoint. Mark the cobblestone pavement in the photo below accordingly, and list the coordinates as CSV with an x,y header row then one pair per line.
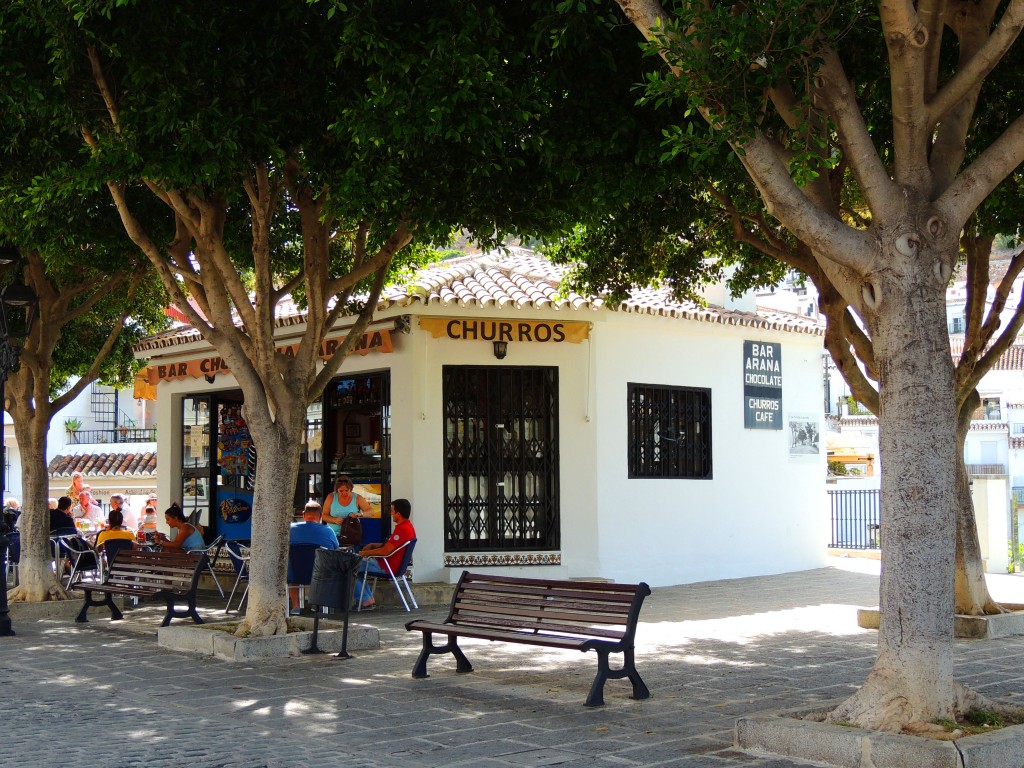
x,y
105,694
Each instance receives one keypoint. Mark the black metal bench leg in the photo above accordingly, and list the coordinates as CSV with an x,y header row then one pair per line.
x,y
461,662
419,669
639,687
108,600
596,696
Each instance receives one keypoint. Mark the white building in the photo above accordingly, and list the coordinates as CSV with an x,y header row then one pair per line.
x,y
110,437
535,433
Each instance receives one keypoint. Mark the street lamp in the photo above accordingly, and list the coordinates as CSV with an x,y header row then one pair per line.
x,y
18,305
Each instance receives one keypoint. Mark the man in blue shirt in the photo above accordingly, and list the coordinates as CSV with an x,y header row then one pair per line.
x,y
310,531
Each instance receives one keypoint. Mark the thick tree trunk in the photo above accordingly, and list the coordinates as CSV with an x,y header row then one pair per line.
x,y
972,595
912,680
277,444
36,579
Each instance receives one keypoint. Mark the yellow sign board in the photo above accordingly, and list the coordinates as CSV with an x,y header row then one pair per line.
x,y
487,329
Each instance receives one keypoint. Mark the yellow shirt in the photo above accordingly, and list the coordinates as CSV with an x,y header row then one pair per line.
x,y
109,534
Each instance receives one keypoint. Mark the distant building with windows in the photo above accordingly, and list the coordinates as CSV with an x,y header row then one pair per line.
x,y
536,432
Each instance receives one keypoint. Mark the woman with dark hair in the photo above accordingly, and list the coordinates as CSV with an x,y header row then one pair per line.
x,y
115,530
184,535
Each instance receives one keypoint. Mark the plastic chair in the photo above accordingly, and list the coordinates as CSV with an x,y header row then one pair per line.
x,y
212,552
83,558
110,550
240,555
403,568
300,567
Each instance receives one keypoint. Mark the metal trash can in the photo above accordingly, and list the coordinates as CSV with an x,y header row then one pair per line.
x,y
332,570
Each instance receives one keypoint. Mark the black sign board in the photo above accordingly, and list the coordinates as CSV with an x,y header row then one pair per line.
x,y
762,385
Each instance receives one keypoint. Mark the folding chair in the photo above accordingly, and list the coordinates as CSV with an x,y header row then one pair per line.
x,y
300,567
240,555
212,552
403,568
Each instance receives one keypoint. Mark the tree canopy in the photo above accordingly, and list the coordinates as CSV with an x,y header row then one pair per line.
x,y
862,142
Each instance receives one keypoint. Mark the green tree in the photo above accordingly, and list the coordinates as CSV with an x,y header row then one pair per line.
x,y
90,312
304,150
772,81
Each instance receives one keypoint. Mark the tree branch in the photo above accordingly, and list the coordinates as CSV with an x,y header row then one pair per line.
x,y
859,150
970,75
989,169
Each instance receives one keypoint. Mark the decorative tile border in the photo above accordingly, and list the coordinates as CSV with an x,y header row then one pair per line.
x,y
461,560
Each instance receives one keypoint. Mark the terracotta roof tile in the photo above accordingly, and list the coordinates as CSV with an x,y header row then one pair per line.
x,y
520,278
103,464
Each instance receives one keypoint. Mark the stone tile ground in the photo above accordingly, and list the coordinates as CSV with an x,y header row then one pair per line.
x,y
107,695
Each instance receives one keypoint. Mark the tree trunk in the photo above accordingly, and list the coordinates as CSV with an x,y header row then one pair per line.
x,y
912,679
36,579
277,443
972,595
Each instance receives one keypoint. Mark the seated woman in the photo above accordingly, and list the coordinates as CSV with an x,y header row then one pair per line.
x,y
115,530
184,535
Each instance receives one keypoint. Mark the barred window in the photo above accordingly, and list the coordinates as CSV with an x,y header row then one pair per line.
x,y
669,431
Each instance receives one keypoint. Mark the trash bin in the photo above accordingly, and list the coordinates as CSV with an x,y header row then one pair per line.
x,y
332,570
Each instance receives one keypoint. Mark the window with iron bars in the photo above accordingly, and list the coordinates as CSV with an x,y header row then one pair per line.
x,y
669,431
501,458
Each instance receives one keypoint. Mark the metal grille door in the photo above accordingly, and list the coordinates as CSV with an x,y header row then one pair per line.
x,y
501,458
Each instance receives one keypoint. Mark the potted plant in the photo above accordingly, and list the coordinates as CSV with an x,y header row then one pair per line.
x,y
72,425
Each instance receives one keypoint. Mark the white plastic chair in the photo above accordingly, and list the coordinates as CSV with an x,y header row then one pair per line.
x,y
396,578
243,555
212,551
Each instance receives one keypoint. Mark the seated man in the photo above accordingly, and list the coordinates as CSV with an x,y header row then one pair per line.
x,y
61,521
309,531
401,510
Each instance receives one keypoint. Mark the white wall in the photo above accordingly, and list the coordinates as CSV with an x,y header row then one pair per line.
x,y
992,512
761,513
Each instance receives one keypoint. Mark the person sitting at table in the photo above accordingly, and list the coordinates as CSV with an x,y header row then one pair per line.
x,y
118,502
401,510
147,525
115,530
184,535
342,502
61,521
86,509
309,531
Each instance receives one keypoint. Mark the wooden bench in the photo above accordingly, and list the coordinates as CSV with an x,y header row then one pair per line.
x,y
172,576
575,615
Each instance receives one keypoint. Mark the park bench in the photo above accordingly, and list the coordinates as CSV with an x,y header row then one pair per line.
x,y
171,576
575,615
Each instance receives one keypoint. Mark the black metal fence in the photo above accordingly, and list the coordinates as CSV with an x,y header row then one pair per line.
x,y
855,519
120,435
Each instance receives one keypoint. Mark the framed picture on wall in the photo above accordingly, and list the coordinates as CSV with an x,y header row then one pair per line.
x,y
353,430
194,491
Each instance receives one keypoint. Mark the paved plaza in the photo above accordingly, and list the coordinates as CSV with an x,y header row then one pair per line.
x,y
105,694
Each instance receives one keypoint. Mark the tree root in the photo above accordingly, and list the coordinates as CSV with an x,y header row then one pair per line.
x,y
882,705
253,626
23,594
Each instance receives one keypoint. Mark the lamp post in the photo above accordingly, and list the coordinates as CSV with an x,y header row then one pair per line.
x,y
16,299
